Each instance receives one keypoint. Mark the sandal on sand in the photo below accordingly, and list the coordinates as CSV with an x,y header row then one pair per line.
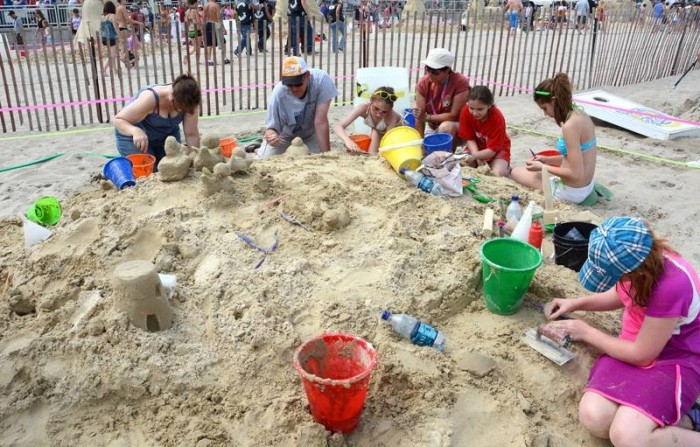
x,y
694,415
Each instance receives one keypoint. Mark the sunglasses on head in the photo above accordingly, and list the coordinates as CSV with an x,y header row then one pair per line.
x,y
433,70
385,95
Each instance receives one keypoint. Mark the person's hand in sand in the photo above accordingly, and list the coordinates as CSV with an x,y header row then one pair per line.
x,y
140,139
558,307
272,137
576,330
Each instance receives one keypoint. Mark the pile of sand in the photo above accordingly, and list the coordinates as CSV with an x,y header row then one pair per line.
x,y
76,372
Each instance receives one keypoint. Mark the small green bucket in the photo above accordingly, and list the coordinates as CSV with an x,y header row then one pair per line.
x,y
508,266
45,211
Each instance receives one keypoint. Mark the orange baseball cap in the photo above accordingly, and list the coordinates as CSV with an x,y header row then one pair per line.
x,y
293,69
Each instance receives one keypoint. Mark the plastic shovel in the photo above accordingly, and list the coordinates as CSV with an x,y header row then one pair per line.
x,y
469,184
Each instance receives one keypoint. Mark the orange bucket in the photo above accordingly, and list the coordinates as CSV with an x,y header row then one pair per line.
x,y
227,146
143,164
362,140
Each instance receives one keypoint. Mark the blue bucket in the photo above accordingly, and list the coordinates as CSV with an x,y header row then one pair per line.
x,y
437,142
120,171
409,117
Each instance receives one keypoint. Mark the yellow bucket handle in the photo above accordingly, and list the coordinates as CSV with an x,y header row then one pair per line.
x,y
391,147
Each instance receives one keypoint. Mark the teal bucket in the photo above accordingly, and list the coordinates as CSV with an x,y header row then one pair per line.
x,y
508,266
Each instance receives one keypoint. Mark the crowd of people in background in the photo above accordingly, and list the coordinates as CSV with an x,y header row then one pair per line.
x,y
171,20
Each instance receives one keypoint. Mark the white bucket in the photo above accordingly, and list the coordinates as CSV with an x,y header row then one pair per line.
x,y
369,79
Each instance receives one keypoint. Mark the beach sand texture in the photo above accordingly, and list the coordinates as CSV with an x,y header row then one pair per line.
x,y
73,371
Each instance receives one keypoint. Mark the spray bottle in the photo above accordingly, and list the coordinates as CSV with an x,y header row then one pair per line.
x,y
522,229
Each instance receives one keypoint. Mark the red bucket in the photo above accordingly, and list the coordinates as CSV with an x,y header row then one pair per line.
x,y
335,371
549,153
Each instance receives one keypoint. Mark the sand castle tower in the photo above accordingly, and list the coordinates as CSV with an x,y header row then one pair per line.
x,y
139,293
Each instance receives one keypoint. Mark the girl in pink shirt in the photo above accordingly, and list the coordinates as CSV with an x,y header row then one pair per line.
x,y
642,389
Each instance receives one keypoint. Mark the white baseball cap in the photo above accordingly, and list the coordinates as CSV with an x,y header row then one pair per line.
x,y
439,58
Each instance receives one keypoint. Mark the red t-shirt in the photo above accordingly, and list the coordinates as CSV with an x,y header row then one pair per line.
x,y
490,134
438,99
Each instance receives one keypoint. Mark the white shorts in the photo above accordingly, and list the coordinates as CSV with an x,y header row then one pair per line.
x,y
569,194
266,150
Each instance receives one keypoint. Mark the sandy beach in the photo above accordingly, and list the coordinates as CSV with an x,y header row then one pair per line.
x,y
74,371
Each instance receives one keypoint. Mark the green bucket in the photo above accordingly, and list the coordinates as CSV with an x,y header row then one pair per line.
x,y
508,266
45,211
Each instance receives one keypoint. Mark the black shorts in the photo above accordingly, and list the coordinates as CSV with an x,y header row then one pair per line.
x,y
112,42
20,40
209,30
581,20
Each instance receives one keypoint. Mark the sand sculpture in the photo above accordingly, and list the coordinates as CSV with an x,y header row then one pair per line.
x,y
218,180
239,162
138,293
416,6
208,155
90,24
312,10
211,140
207,158
239,152
176,164
297,149
335,219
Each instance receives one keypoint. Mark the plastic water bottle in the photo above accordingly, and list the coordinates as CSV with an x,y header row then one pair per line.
x,y
514,212
423,182
418,333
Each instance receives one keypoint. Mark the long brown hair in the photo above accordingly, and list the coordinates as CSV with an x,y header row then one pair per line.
x,y
556,90
644,278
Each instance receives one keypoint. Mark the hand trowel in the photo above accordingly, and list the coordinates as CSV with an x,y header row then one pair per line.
x,y
546,346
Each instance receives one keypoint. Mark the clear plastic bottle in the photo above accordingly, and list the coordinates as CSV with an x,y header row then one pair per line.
x,y
423,182
418,333
514,212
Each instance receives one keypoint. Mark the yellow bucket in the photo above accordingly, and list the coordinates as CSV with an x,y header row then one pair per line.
x,y
402,157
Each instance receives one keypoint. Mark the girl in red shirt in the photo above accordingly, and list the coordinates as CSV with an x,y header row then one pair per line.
x,y
483,127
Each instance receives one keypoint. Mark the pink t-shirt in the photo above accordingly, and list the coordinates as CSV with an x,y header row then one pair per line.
x,y
438,99
676,295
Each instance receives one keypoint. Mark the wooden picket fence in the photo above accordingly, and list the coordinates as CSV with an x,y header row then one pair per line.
x,y
65,84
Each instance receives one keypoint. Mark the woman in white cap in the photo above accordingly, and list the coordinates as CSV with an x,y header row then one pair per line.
x,y
642,389
440,94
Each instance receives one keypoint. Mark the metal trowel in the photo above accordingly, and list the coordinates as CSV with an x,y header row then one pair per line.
x,y
546,346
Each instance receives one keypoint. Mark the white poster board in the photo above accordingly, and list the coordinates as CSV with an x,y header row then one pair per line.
x,y
634,117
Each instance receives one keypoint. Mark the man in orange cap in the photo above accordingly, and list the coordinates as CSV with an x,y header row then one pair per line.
x,y
299,108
